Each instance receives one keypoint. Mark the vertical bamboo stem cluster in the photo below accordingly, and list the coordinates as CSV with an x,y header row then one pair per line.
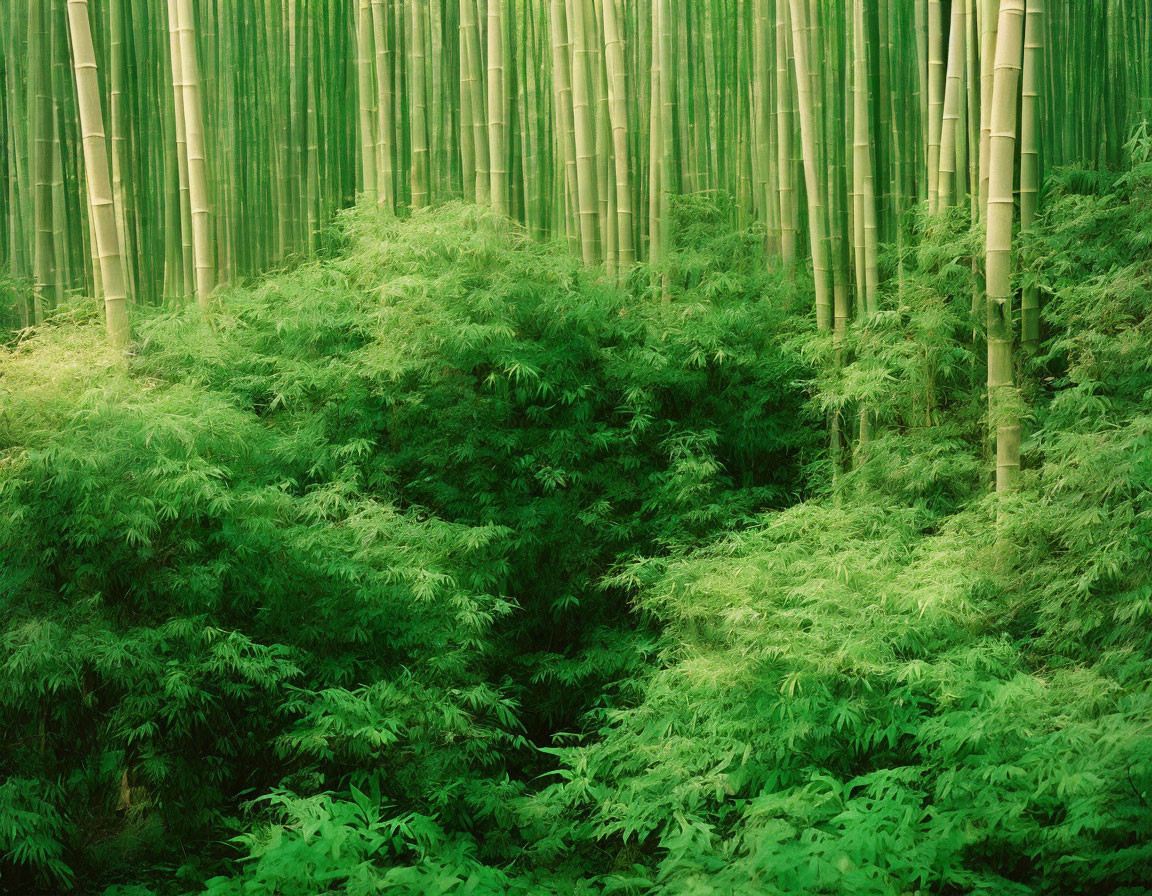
x,y
549,103
235,131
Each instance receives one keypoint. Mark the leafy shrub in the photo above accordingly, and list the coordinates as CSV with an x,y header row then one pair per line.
x,y
513,389
443,566
907,687
13,295
355,529
182,624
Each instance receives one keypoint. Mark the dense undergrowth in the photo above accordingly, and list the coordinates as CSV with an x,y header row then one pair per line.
x,y
357,530
12,297
439,566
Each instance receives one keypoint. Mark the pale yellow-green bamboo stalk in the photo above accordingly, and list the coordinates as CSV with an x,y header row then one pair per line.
x,y
998,262
1034,29
588,191
565,128
96,173
385,125
989,18
44,252
862,167
817,226
972,110
197,160
935,99
473,78
657,198
365,94
618,111
497,124
187,276
789,204
953,94
418,51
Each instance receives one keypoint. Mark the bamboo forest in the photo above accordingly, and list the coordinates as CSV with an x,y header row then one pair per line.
x,y
576,447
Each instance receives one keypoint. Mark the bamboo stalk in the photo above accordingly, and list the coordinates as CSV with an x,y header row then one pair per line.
x,y
1001,207
97,175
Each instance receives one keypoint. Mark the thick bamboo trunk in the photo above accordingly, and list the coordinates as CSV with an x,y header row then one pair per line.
x,y
202,252
187,275
587,188
385,122
789,224
936,78
96,172
920,24
656,187
618,113
40,70
1034,28
817,226
418,42
1001,206
369,167
665,35
862,167
497,123
565,127
473,78
951,133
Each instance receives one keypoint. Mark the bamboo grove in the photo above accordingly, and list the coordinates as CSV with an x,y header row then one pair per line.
x,y
155,149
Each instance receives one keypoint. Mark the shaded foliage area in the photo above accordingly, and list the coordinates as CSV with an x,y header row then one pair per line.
x,y
355,531
13,297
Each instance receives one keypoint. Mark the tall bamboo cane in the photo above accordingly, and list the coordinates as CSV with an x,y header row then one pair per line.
x,y
96,172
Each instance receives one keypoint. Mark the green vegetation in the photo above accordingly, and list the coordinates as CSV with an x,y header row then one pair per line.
x,y
441,565
355,528
657,447
12,296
